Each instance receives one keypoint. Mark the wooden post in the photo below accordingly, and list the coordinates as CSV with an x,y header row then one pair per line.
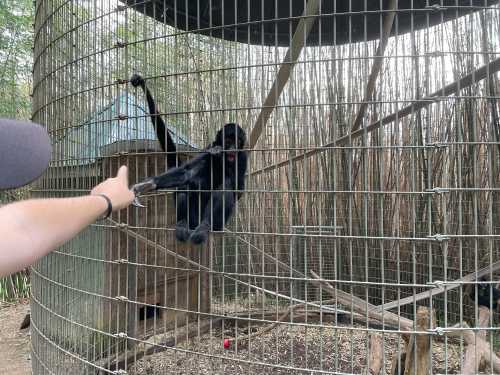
x,y
418,359
483,321
205,294
375,354
398,363
474,358
482,347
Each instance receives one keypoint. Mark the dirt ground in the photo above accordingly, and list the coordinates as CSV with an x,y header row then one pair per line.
x,y
14,344
278,352
284,350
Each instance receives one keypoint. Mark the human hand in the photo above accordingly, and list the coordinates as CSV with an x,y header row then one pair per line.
x,y
116,189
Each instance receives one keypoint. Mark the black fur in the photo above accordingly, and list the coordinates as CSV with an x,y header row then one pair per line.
x,y
487,294
166,142
210,184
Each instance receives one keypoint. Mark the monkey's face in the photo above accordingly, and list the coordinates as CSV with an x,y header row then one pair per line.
x,y
232,139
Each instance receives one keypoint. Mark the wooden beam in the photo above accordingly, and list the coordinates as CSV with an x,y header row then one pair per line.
x,y
417,105
377,63
298,40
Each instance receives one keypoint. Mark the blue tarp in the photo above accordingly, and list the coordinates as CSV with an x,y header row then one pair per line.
x,y
83,144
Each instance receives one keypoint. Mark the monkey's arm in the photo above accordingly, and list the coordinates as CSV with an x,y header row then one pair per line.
x,y
180,176
159,125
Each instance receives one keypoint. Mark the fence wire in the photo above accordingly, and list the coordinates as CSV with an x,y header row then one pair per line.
x,y
368,235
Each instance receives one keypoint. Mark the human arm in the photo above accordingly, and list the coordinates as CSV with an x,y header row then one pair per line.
x,y
31,229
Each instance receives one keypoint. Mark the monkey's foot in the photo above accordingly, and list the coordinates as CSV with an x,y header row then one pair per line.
x,y
182,231
200,234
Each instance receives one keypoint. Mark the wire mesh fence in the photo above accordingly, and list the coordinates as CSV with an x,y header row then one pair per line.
x,y
367,238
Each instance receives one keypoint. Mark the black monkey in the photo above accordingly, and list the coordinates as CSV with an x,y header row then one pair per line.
x,y
486,293
210,183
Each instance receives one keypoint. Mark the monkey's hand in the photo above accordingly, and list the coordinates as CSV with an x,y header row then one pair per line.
x,y
137,80
144,187
141,188
215,150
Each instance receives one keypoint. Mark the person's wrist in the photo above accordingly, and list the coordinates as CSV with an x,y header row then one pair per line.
x,y
109,204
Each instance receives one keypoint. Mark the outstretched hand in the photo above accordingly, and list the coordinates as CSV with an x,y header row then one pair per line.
x,y
116,189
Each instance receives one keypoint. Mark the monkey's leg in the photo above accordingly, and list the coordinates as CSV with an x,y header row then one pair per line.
x,y
182,231
218,211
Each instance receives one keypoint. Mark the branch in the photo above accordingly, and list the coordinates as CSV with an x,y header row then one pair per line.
x,y
155,344
377,64
478,352
441,289
361,306
298,40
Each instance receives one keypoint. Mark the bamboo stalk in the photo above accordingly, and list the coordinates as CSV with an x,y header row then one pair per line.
x,y
447,90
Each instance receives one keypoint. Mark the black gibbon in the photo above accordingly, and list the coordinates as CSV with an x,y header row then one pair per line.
x,y
210,183
486,294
